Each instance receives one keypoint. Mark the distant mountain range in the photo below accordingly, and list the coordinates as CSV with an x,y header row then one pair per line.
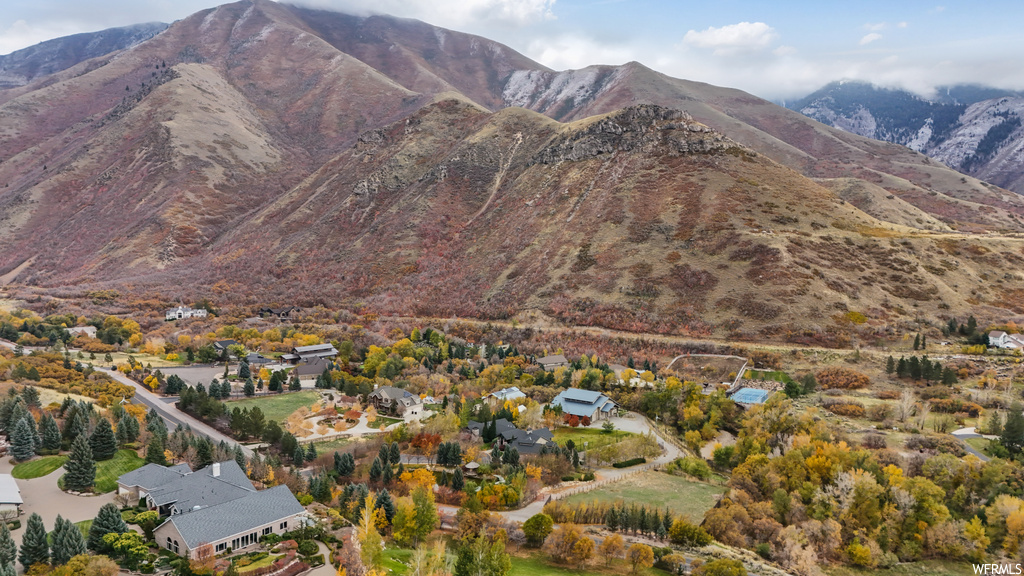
x,y
259,151
974,129
24,66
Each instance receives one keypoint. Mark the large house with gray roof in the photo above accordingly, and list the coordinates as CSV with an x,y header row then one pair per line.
x,y
217,505
585,403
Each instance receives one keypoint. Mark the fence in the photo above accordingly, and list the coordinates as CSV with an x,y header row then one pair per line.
x,y
600,483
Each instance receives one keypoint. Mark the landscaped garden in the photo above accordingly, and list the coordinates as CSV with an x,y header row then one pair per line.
x,y
38,468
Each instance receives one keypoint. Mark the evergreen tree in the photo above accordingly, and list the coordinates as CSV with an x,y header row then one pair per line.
x,y
243,370
384,454
294,385
204,452
901,367
50,432
311,453
102,441
37,440
155,451
344,464
127,429
376,470
388,474
792,389
972,325
995,424
395,455
34,548
67,541
384,501
511,457
80,468
249,389
924,342
240,457
107,521
299,456
30,396
917,342
1013,430
8,549
23,445
458,481
890,365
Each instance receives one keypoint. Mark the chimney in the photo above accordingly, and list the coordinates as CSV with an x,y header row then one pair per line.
x,y
216,469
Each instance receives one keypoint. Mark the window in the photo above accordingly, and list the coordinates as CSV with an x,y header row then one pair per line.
x,y
268,530
168,542
222,546
175,546
283,525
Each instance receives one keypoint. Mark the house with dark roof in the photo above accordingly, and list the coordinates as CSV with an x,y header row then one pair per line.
x,y
308,372
282,313
222,346
258,360
303,354
585,403
217,505
549,363
392,400
525,441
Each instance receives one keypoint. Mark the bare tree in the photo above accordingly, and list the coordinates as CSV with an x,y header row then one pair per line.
x,y
922,413
905,407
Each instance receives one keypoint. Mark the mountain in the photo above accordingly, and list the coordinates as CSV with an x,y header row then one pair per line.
x,y
974,129
27,65
262,152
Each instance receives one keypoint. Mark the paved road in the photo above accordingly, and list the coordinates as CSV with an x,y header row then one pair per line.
x,y
170,413
964,433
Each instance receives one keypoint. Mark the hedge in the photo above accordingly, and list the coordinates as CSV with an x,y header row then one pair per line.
x,y
628,463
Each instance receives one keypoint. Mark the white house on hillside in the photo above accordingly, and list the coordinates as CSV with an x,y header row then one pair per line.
x,y
1000,339
184,312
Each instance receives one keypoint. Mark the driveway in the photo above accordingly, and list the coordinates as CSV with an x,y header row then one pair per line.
x,y
964,433
42,496
193,375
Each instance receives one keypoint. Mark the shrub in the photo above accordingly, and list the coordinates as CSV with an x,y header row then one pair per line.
x,y
875,441
879,412
842,378
308,547
851,410
271,539
692,466
630,462
887,394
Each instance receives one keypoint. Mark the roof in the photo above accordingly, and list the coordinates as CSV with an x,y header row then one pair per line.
x,y
314,348
244,514
225,343
254,358
580,395
582,402
390,393
9,491
153,475
553,359
500,425
202,488
510,393
314,367
996,334
750,396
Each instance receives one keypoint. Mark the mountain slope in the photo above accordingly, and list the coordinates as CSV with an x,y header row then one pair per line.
x,y
972,129
252,152
29,64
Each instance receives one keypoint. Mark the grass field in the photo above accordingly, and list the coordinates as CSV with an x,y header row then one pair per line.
x,y
594,436
278,406
776,375
259,564
108,471
83,527
681,495
331,445
537,564
396,561
38,468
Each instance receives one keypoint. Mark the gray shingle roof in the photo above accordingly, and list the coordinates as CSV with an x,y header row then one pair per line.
x,y
240,516
203,489
153,475
390,393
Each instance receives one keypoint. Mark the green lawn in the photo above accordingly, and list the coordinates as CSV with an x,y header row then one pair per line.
x,y
776,375
681,495
278,406
979,444
924,568
396,561
108,471
38,468
596,437
259,564
331,445
83,527
386,421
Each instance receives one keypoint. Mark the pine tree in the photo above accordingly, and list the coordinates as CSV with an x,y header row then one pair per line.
x,y
924,342
376,469
294,385
890,365
67,541
344,464
23,445
388,474
34,548
311,453
1013,430
8,549
50,432
299,456
240,457
458,481
395,456
155,451
917,342
102,441
127,429
384,501
243,370
107,520
80,468
204,452
995,424
249,389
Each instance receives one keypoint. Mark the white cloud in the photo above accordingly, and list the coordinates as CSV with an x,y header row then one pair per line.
x,y
869,38
875,26
22,34
572,52
785,51
733,38
902,25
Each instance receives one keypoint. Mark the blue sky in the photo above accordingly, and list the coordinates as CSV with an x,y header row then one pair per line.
x,y
775,49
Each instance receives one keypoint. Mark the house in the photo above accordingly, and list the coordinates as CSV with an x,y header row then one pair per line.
x,y
258,360
141,481
501,425
217,505
308,372
585,403
301,354
283,313
223,346
549,363
184,312
89,331
1000,339
525,441
391,400
498,398
10,494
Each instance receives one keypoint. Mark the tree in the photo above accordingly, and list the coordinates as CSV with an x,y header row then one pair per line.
x,y
917,342
640,556
299,456
582,551
34,548
50,432
67,541
482,556
394,455
155,451
458,481
1013,430
130,548
537,529
249,389
376,470
294,385
102,441
611,548
371,544
8,549
426,512
385,503
311,452
107,521
890,365
344,464
80,468
23,445
243,370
